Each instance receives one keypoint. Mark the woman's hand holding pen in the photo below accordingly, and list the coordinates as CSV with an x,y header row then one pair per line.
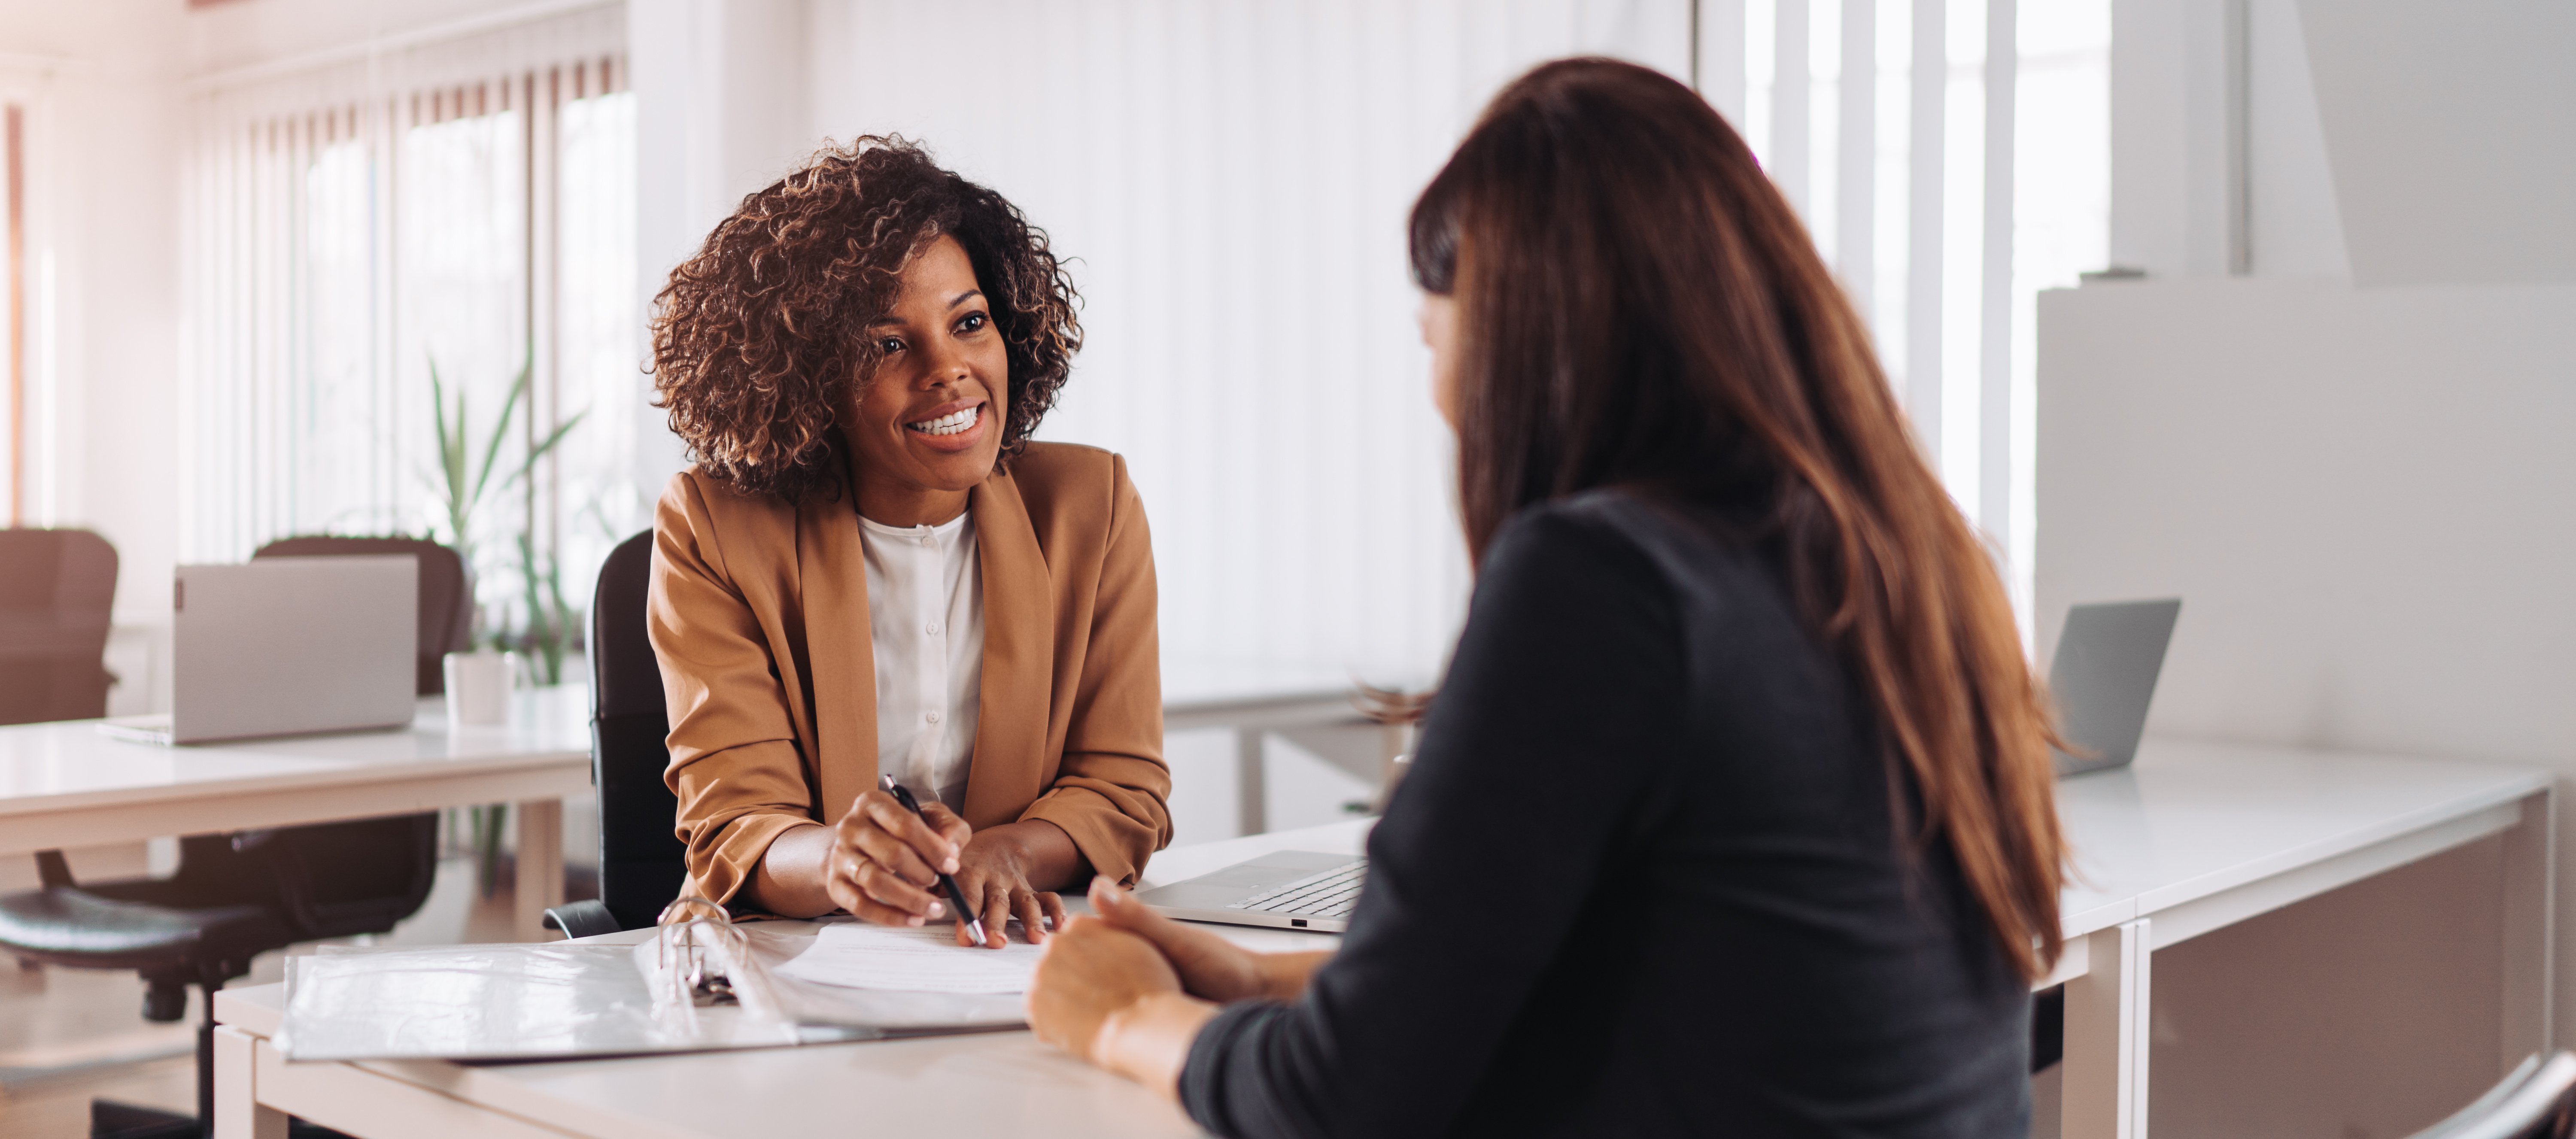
x,y
885,863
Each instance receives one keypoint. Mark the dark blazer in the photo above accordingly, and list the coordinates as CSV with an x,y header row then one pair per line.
x,y
1643,880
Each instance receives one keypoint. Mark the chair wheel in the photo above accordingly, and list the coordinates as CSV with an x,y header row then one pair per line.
x,y
165,1001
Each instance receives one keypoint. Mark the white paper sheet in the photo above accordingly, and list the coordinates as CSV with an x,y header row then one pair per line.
x,y
923,959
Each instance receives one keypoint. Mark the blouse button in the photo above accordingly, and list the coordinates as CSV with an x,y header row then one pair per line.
x,y
931,628
933,717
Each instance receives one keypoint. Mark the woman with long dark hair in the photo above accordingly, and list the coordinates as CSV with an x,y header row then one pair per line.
x,y
1733,816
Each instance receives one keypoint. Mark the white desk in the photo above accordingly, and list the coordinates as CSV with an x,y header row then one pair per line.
x,y
66,784
2198,836
2194,838
991,1084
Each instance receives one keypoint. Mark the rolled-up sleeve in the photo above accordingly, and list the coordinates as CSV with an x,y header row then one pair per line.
x,y
735,764
1111,789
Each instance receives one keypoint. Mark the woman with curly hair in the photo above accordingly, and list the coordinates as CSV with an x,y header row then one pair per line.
x,y
871,568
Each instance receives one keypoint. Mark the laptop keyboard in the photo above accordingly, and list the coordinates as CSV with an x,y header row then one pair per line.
x,y
1329,894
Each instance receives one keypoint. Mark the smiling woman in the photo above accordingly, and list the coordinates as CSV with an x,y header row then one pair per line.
x,y
856,359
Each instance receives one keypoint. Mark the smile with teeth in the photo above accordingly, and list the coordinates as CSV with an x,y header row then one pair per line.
x,y
949,424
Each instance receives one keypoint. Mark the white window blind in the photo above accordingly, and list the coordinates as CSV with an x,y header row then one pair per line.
x,y
30,442
14,411
1952,159
463,202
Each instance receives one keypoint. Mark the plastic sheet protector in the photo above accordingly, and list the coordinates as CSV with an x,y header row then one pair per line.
x,y
550,1001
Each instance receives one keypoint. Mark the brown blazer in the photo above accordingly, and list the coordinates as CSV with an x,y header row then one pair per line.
x,y
759,616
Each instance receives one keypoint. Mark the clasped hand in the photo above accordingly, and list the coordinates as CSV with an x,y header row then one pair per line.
x,y
885,861
1129,989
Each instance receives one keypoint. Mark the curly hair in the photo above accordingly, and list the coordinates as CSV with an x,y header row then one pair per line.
x,y
760,337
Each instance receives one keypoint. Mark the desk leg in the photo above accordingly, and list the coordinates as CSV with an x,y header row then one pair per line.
x,y
2105,1093
2530,896
238,1113
1251,783
541,872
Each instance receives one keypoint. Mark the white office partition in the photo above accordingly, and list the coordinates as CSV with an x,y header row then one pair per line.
x,y
2363,498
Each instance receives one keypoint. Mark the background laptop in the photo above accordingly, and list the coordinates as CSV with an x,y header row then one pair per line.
x,y
2104,676
288,646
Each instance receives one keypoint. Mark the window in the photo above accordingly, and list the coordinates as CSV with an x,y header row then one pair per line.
x,y
378,245
1952,158
13,291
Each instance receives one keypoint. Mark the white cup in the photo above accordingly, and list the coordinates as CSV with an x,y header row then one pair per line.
x,y
479,684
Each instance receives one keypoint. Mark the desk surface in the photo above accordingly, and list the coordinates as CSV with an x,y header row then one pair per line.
x,y
2189,822
52,766
2192,820
57,766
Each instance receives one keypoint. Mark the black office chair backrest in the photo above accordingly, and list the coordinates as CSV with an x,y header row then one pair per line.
x,y
641,862
56,589
362,876
446,593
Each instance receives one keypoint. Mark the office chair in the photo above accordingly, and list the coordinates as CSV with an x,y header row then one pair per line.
x,y
446,593
56,587
2537,1101
239,895
642,864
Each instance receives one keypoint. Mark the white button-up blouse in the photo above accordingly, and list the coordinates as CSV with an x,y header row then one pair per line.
x,y
926,625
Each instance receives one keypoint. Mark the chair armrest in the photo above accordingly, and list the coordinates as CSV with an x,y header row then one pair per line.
x,y
585,918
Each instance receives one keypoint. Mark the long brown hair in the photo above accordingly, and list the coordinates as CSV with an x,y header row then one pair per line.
x,y
1638,306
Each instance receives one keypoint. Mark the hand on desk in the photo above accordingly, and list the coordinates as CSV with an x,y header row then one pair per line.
x,y
885,861
1130,989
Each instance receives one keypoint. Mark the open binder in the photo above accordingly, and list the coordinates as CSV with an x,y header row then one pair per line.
x,y
702,982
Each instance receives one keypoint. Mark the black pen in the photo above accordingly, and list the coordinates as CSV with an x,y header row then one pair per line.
x,y
956,897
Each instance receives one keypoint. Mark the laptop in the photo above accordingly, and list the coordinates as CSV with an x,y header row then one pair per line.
x,y
2104,676
288,646
1292,889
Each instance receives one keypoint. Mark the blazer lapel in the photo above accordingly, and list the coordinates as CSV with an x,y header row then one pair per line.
x,y
840,665
1019,648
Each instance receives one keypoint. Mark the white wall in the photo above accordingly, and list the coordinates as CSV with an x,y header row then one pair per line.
x,y
103,272
2188,197
1233,180
2452,128
721,111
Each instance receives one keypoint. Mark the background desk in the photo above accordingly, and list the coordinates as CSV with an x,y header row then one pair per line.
x,y
1253,700
2195,837
68,785
2199,836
